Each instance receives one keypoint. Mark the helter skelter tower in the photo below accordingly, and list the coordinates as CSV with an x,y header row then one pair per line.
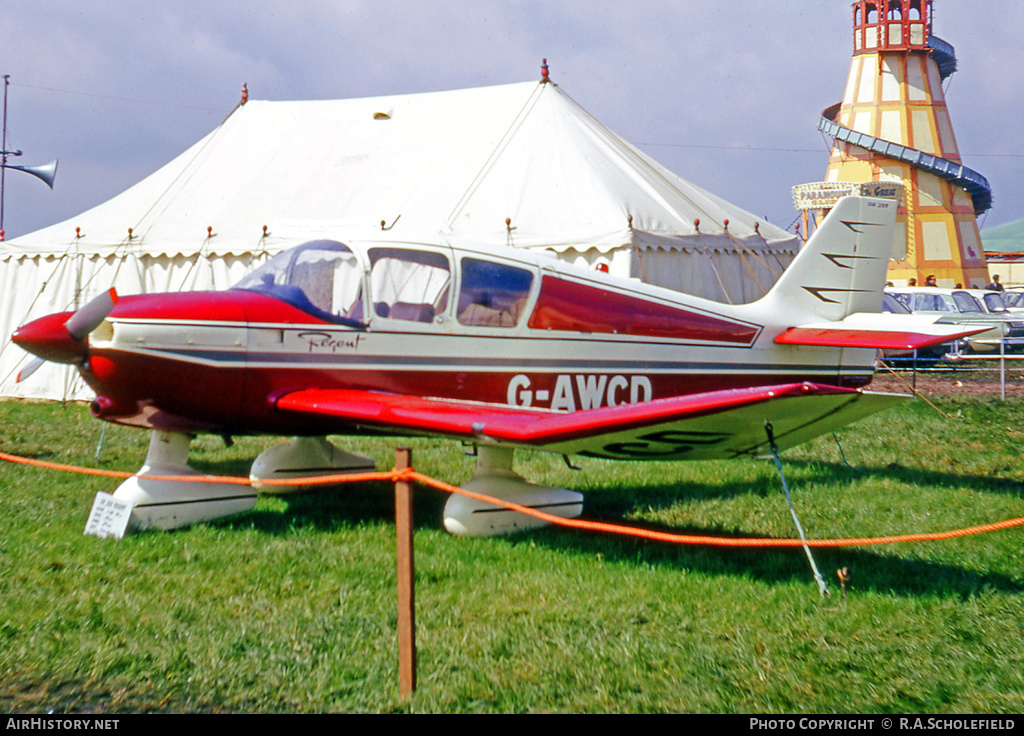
x,y
893,127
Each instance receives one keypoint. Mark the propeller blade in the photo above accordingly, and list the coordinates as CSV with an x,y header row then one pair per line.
x,y
28,370
89,317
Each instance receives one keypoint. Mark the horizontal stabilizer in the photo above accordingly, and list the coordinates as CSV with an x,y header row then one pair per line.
x,y
879,331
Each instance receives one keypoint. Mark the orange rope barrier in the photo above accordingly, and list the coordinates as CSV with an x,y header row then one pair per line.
x,y
409,474
230,479
604,527
58,466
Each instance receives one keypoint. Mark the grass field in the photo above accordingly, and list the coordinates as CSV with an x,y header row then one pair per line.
x,y
292,608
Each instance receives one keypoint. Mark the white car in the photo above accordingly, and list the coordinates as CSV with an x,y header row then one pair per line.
x,y
1014,300
923,357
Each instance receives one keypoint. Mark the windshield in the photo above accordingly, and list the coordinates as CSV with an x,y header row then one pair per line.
x,y
1014,298
891,303
322,277
994,302
966,303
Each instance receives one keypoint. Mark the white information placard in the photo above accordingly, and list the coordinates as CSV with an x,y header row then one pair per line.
x,y
109,516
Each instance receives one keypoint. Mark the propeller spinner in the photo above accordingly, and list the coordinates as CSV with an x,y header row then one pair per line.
x,y
64,337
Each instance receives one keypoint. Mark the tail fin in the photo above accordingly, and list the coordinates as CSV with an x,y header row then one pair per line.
x,y
841,270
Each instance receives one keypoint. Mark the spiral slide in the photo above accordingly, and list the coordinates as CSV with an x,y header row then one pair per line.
x,y
967,179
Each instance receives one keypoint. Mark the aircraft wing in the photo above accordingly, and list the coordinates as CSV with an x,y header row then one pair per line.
x,y
881,331
711,425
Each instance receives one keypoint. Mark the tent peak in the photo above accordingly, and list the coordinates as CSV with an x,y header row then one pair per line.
x,y
545,77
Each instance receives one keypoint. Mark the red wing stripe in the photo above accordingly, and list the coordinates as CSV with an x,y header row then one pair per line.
x,y
525,426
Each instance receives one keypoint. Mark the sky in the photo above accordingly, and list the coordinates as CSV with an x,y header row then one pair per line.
x,y
726,94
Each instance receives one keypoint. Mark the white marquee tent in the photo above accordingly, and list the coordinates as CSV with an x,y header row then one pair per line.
x,y
452,165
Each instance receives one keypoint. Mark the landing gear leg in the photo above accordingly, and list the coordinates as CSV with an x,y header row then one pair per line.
x,y
303,457
170,504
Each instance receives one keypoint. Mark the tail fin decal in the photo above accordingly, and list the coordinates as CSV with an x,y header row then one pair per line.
x,y
841,270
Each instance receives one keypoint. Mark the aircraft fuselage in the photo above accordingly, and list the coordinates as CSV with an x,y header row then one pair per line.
x,y
507,329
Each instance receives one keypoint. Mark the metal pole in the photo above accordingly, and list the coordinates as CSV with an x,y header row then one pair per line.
x,y
3,162
406,579
1002,367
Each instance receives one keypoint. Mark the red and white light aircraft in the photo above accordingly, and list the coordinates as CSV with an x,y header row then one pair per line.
x,y
504,348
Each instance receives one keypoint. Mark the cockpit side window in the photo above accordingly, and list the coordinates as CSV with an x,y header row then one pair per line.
x,y
409,285
492,294
323,278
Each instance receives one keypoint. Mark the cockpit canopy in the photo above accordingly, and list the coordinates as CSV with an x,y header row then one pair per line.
x,y
322,277
325,278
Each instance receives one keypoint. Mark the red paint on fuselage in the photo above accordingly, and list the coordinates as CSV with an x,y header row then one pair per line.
x,y
157,392
241,400
233,305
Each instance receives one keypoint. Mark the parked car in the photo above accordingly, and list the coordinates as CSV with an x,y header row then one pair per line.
x,y
993,301
892,305
925,356
1014,299
967,307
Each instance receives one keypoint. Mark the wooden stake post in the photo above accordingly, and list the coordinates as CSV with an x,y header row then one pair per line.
x,y
406,579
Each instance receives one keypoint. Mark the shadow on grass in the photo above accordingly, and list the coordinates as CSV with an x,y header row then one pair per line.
x,y
349,506
373,503
873,571
833,472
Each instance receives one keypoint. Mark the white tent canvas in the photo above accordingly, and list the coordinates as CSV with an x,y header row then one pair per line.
x,y
520,164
